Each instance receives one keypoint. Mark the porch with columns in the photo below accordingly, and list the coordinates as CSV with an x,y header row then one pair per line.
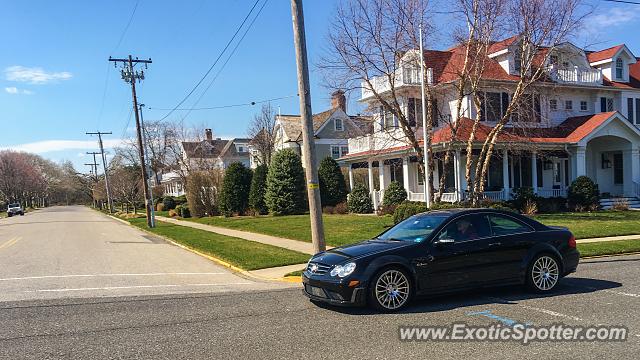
x,y
548,172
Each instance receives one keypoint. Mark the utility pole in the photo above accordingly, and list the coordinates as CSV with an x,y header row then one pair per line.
x,y
425,154
104,166
95,163
147,167
130,75
94,172
308,144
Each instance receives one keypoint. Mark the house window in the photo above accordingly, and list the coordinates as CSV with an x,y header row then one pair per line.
x,y
553,59
553,104
568,105
638,111
619,69
338,125
583,106
387,119
335,152
606,104
240,149
528,109
344,150
618,170
630,110
414,111
420,179
517,61
494,106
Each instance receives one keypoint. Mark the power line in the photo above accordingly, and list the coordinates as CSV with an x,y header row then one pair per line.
x,y
623,2
214,63
251,103
126,28
228,58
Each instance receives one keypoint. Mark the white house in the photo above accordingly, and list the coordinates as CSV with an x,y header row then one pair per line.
x,y
583,120
332,129
206,154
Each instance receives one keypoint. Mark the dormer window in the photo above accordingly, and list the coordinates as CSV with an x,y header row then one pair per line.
x,y
338,125
619,69
517,61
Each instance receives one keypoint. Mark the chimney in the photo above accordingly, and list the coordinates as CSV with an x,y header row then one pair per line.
x,y
338,100
209,134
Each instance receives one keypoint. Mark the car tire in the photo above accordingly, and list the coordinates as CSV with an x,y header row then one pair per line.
x,y
21,214
543,273
390,290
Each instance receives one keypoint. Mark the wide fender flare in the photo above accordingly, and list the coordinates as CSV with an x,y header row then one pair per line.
x,y
388,260
534,251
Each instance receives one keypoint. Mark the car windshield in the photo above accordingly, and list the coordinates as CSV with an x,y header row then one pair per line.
x,y
14,205
416,228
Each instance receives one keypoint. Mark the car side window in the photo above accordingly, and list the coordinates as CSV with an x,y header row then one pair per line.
x,y
467,228
504,225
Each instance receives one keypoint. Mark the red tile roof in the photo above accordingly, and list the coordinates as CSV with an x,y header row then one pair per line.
x,y
448,65
501,45
603,54
572,130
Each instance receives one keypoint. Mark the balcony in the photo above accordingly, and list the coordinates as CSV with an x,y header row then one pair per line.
x,y
404,76
576,75
381,140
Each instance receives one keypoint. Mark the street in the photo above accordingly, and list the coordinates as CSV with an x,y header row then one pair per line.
x,y
63,252
49,311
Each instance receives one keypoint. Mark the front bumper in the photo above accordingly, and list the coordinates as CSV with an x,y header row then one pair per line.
x,y
333,292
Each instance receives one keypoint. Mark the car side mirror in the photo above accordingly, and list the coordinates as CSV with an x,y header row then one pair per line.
x,y
444,241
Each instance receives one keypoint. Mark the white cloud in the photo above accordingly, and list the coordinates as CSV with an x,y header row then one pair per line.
x,y
612,17
34,75
46,146
14,90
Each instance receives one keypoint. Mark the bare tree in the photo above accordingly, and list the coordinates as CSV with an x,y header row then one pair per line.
x,y
373,46
125,181
262,133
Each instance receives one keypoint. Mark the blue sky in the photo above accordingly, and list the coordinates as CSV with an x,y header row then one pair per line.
x,y
54,68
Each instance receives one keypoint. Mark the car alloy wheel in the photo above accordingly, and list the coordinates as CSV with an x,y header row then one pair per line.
x,y
544,273
392,290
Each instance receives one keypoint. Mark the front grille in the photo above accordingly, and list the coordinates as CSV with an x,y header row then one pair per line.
x,y
320,268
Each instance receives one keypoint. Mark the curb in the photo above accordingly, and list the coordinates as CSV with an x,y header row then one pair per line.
x,y
235,269
611,255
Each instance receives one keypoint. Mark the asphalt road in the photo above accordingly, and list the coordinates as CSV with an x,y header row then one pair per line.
x,y
73,251
281,323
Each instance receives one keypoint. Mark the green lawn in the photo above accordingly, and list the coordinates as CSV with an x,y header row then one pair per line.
x,y
245,254
339,229
609,247
595,224
345,229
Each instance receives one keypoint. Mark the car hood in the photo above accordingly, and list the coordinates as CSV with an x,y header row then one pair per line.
x,y
346,252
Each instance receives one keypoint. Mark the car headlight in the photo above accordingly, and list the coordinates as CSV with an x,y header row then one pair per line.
x,y
343,270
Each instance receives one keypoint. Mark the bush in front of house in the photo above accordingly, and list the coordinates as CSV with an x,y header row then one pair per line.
x,y
407,209
184,211
447,205
236,184
202,192
258,190
394,194
169,203
552,205
333,189
523,198
583,194
286,192
359,200
159,206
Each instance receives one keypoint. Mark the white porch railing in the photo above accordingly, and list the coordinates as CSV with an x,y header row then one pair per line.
x,y
361,144
415,196
493,195
636,189
449,197
376,198
576,75
548,193
405,75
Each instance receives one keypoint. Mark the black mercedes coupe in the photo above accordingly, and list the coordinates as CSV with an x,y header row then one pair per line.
x,y
440,252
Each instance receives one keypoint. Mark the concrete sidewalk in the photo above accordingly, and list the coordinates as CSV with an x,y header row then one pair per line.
x,y
609,238
295,245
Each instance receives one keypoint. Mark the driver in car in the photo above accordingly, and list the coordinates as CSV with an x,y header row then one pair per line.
x,y
466,230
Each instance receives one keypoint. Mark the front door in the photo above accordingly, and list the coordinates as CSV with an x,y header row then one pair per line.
x,y
618,173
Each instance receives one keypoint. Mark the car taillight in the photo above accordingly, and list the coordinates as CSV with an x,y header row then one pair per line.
x,y
572,242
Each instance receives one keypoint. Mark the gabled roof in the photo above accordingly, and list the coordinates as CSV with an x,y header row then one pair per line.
x,y
292,126
501,45
605,54
448,65
211,149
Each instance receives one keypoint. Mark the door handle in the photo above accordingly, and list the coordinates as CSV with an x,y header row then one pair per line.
x,y
495,244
